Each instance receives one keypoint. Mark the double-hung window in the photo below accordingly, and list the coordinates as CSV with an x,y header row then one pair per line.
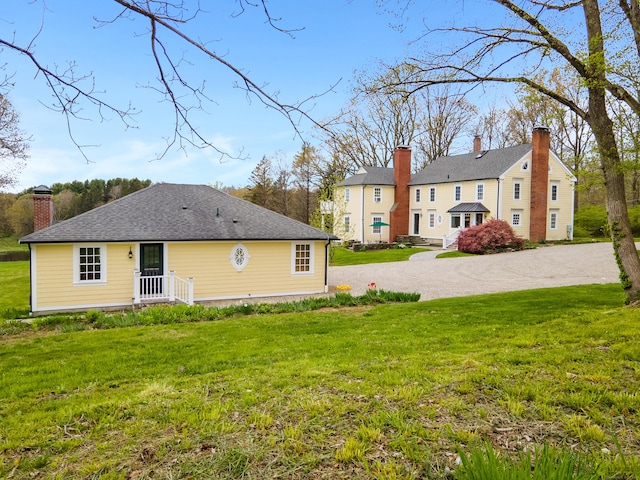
x,y
376,228
302,258
377,194
417,195
347,224
347,195
553,220
554,192
517,189
457,193
89,264
432,194
480,192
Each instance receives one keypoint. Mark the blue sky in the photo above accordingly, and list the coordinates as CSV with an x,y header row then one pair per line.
x,y
339,38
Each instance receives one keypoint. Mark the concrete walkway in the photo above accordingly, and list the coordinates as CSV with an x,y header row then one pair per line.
x,y
553,266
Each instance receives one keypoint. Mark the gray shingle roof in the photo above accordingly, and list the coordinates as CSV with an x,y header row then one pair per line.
x,y
372,176
468,208
173,212
460,168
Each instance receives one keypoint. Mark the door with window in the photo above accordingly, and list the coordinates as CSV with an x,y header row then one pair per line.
x,y
152,265
416,223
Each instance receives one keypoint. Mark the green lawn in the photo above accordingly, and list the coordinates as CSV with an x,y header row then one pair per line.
x,y
10,244
385,392
14,287
342,256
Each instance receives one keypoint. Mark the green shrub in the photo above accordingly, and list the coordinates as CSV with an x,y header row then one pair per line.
x,y
634,218
592,219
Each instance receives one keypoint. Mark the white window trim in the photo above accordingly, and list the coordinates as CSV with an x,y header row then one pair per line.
x,y
478,197
346,223
311,258
103,264
513,214
418,195
557,185
432,198
457,188
245,257
519,183
432,221
347,195
377,198
553,214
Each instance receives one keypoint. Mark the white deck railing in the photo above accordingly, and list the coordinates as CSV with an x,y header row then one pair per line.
x,y
450,239
157,288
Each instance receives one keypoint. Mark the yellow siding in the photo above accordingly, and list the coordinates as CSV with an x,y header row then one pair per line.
x,y
445,200
523,205
54,286
376,209
564,204
361,209
268,272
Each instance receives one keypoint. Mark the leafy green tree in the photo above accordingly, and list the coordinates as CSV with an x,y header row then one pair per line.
x,y
261,184
306,173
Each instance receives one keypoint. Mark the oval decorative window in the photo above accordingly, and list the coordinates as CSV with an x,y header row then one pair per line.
x,y
239,256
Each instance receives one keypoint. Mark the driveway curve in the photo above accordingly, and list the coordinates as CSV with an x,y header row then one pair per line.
x,y
552,266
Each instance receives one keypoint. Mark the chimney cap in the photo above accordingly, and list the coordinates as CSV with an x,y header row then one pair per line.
x,y
541,127
42,190
403,147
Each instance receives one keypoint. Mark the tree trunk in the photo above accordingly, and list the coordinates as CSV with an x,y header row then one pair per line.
x,y
618,217
619,225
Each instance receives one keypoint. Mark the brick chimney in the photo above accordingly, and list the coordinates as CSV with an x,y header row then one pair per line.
x,y
540,142
42,208
477,143
399,221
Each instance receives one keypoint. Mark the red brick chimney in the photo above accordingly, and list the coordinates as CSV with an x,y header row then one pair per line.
x,y
42,208
399,221
477,143
540,141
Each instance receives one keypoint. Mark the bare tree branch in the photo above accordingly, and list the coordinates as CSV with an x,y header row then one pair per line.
x,y
167,21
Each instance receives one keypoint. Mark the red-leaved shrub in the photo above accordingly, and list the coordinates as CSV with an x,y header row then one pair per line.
x,y
493,235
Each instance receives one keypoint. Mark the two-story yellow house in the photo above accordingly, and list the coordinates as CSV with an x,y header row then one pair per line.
x,y
526,185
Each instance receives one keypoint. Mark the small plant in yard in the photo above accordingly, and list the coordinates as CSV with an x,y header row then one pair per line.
x,y
546,463
491,236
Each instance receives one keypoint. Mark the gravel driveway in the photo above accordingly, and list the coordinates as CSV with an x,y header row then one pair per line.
x,y
552,266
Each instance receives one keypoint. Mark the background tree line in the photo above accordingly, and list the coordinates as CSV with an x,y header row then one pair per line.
x,y
69,199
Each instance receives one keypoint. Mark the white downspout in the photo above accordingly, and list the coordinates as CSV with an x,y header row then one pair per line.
x,y
362,214
499,206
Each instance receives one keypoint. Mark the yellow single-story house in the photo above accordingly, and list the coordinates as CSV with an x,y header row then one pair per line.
x,y
171,242
526,185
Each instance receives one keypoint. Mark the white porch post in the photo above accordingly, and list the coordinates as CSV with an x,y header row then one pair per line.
x,y
136,286
190,297
172,286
